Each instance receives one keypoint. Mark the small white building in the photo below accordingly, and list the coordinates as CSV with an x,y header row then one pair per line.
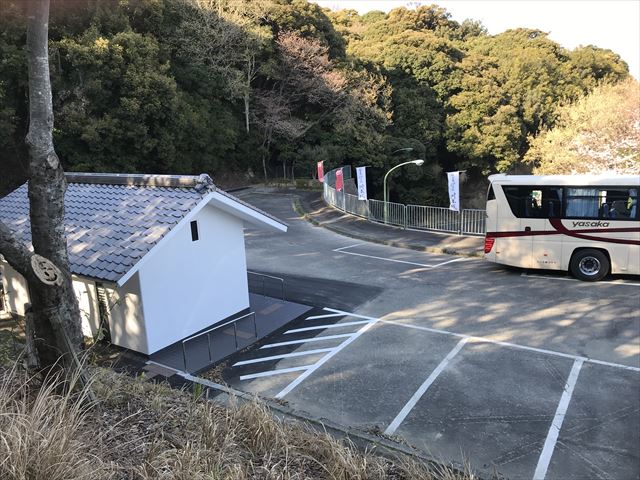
x,y
155,258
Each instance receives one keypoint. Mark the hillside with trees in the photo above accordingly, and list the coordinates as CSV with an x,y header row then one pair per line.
x,y
598,133
265,88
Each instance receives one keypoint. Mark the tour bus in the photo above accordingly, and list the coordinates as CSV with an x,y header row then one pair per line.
x,y
586,224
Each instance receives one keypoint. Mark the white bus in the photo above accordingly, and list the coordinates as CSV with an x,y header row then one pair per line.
x,y
586,224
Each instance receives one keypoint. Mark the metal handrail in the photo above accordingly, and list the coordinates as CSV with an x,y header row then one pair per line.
x,y
217,327
410,217
265,276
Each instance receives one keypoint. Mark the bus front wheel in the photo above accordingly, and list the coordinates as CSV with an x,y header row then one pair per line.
x,y
589,265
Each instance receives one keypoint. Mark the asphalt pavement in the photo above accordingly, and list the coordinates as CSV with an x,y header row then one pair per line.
x,y
526,373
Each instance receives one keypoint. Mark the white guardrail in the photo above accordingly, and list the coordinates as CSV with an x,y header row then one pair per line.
x,y
412,217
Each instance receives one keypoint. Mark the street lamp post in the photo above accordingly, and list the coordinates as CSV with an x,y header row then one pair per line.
x,y
417,162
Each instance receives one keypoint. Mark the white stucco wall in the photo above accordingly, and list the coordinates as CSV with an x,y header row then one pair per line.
x,y
85,290
126,315
187,286
15,289
17,297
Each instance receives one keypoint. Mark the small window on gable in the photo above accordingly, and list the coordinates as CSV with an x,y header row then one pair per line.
x,y
194,231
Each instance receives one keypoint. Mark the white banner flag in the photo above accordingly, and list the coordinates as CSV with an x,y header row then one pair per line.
x,y
454,190
361,173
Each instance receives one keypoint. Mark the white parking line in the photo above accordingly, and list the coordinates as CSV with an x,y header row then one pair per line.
x,y
324,360
275,372
348,246
580,282
284,355
322,327
393,426
307,340
556,425
329,315
343,250
356,315
450,261
495,342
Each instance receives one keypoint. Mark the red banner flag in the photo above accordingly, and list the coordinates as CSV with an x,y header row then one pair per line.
x,y
321,171
339,183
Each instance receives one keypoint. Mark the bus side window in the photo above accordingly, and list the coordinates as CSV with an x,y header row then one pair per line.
x,y
552,202
533,207
632,203
525,202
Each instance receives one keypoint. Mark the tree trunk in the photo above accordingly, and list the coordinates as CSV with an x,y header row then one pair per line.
x,y
246,110
54,306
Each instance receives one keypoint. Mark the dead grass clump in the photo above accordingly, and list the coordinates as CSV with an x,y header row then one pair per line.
x,y
42,435
146,431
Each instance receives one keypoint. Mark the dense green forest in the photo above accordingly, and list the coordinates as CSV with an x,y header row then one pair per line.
x,y
268,87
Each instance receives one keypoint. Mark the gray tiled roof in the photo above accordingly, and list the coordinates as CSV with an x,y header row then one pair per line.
x,y
110,227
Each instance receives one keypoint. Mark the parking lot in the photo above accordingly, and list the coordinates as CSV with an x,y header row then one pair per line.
x,y
532,374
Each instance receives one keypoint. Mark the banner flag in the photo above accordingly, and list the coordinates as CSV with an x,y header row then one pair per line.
x,y
339,182
361,173
454,190
321,171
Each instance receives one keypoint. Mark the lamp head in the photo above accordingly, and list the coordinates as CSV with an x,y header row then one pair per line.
x,y
418,162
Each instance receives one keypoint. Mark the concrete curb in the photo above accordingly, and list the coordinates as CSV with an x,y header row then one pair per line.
x,y
302,213
364,441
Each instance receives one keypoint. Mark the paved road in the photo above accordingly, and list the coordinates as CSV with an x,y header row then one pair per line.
x,y
535,375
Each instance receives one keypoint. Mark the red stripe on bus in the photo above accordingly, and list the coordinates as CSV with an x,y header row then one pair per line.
x,y
561,229
557,224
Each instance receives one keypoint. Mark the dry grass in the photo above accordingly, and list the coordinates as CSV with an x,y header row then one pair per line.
x,y
141,430
41,432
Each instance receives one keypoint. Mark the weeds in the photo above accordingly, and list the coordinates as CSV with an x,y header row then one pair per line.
x,y
150,432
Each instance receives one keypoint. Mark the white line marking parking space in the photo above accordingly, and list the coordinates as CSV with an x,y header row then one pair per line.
x,y
393,426
280,357
275,372
328,315
556,425
489,340
322,327
348,246
343,250
325,359
306,340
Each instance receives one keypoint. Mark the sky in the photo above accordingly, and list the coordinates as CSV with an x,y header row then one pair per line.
x,y
612,24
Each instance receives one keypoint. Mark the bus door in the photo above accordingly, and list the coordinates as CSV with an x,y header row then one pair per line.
x,y
515,243
546,245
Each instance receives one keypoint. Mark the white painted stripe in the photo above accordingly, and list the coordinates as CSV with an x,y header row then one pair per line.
x,y
356,315
488,340
275,372
384,259
284,355
306,340
323,360
329,315
556,425
515,345
611,364
426,329
393,426
322,327
348,246
449,261
342,250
